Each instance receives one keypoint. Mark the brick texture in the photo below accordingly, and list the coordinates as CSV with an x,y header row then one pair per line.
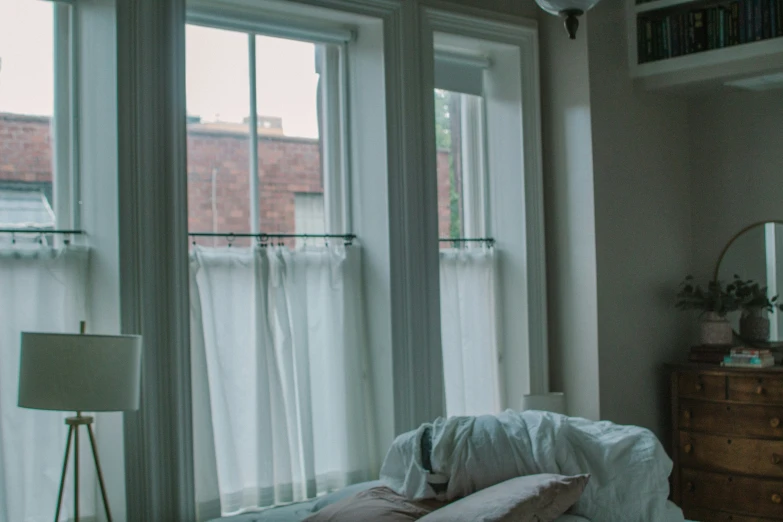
x,y
218,173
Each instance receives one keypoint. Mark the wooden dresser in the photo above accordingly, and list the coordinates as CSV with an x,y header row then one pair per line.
x,y
727,443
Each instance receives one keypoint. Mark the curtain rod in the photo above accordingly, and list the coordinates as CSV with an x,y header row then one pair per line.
x,y
40,231
263,235
488,240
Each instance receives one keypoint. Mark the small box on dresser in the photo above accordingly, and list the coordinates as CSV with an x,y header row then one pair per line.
x,y
727,442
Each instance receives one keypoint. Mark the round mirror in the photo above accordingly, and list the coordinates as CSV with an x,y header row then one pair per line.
x,y
753,263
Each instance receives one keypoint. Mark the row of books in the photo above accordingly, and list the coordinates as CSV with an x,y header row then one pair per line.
x,y
704,29
748,358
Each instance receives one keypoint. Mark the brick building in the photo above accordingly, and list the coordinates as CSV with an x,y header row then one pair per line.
x,y
290,179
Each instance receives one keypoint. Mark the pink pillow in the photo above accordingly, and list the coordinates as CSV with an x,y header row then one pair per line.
x,y
534,498
379,504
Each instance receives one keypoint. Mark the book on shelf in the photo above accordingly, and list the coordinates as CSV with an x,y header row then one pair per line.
x,y
682,30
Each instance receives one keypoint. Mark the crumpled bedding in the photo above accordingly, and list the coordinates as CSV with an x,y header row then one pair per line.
x,y
628,466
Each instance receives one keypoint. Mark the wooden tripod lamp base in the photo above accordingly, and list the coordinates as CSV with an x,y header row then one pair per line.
x,y
73,436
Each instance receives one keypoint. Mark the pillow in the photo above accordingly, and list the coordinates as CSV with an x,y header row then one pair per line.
x,y
533,498
379,504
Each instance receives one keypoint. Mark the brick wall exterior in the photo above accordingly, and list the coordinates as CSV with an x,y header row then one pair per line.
x,y
444,196
25,148
287,166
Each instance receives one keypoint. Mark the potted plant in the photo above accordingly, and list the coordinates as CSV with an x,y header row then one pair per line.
x,y
756,305
714,301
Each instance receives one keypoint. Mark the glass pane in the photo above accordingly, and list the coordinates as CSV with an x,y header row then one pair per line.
x,y
27,51
448,136
218,106
289,145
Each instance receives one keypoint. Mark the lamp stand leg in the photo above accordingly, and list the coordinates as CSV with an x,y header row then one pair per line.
x,y
100,473
76,471
62,478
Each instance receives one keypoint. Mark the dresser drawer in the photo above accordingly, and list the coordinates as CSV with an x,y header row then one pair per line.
x,y
724,492
731,419
707,515
756,389
702,386
733,455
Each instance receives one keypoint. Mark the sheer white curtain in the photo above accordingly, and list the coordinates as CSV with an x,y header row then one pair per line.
x,y
281,397
41,289
469,330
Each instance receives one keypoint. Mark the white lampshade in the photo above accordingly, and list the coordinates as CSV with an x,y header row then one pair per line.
x,y
554,402
80,372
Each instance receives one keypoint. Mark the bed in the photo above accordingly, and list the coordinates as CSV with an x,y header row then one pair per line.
x,y
301,510
614,444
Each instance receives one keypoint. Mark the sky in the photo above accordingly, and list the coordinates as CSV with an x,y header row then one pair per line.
x,y
217,71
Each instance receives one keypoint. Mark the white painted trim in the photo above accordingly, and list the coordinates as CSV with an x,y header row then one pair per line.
x,y
74,93
61,121
333,140
345,142
154,255
253,182
524,36
261,24
474,168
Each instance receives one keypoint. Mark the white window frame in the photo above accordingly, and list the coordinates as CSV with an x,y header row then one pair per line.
x,y
334,142
66,153
512,112
368,145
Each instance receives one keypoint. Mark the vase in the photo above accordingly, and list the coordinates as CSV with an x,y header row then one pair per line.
x,y
754,326
715,330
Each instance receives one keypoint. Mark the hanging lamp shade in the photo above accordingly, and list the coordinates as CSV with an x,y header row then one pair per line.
x,y
570,10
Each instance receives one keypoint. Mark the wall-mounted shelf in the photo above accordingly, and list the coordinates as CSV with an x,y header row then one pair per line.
x,y
674,55
657,5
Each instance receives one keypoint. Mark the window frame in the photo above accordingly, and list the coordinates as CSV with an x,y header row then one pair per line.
x,y
525,353
66,153
334,137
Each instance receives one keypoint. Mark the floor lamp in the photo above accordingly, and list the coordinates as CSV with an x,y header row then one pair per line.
x,y
78,372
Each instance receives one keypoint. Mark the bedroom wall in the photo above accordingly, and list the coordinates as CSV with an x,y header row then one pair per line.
x,y
570,217
643,227
736,140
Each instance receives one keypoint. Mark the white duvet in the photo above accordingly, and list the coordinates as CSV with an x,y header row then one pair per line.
x,y
629,468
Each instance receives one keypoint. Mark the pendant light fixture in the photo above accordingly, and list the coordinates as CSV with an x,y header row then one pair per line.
x,y
570,10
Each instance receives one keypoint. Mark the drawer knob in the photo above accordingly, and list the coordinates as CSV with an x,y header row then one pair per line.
x,y
690,486
699,386
777,499
688,448
687,414
775,458
774,422
759,390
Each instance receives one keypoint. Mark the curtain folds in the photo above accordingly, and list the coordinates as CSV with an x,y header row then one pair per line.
x,y
468,284
42,289
280,390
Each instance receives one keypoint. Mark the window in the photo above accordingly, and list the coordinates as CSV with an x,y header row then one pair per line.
x,y
246,88
467,260
36,130
275,324
491,242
